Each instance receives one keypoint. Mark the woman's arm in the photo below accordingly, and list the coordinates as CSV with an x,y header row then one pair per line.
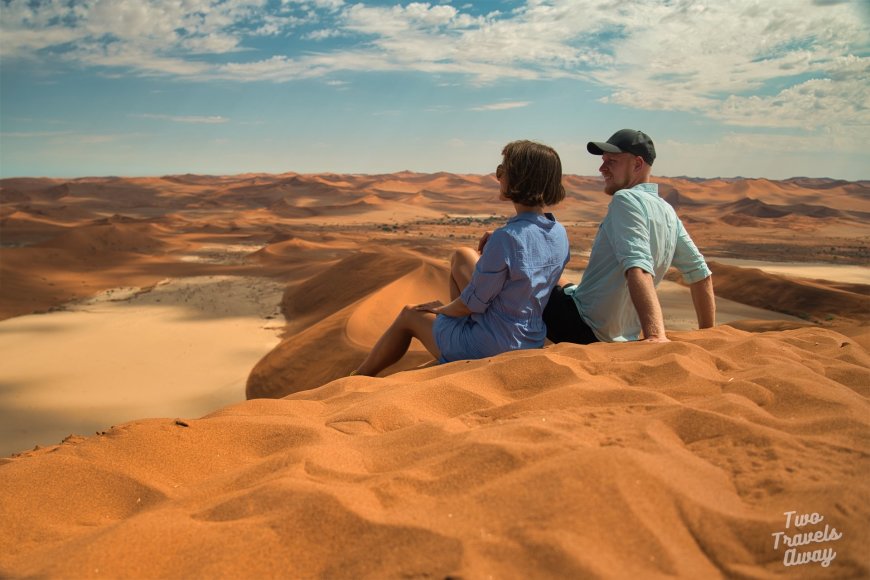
x,y
454,309
489,277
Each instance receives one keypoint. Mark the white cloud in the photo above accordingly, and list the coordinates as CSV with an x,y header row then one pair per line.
x,y
844,139
692,57
764,146
22,42
32,134
829,152
159,27
323,34
97,139
132,57
790,63
69,137
327,4
811,104
197,119
275,68
502,106
274,25
396,20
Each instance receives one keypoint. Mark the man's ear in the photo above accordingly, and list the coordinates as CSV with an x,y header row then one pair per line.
x,y
638,163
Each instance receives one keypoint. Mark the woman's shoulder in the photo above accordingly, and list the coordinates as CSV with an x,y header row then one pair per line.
x,y
504,235
544,223
526,235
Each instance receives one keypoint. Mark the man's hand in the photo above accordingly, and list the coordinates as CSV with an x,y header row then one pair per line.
x,y
655,339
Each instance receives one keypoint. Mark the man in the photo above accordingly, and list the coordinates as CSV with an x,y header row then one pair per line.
x,y
639,239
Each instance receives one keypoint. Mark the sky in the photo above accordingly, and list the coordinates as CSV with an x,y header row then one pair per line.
x,y
725,88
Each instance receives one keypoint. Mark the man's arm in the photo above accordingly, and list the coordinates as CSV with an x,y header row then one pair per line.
x,y
646,303
704,302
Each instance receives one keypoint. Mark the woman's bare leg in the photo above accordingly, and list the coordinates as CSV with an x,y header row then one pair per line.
x,y
462,264
412,323
393,345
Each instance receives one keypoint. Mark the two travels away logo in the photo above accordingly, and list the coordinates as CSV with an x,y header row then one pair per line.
x,y
793,538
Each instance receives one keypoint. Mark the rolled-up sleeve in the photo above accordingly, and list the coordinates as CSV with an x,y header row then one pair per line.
x,y
628,231
688,260
490,274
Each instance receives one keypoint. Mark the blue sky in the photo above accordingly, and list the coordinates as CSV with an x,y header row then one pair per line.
x,y
136,87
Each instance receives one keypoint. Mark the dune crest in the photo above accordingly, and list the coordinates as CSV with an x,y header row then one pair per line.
x,y
336,316
374,314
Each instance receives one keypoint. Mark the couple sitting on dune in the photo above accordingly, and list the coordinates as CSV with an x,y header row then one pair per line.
x,y
509,294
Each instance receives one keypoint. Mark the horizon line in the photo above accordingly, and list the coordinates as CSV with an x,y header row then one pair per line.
x,y
269,173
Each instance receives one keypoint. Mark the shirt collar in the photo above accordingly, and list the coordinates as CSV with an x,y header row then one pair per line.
x,y
533,217
651,188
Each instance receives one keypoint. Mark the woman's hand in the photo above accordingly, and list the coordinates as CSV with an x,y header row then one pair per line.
x,y
483,239
454,309
434,307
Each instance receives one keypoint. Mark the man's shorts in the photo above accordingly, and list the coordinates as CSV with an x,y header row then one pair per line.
x,y
563,320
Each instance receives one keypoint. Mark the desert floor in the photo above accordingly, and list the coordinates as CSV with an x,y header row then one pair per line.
x,y
137,315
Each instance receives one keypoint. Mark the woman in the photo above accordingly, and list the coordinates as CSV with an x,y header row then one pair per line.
x,y
498,293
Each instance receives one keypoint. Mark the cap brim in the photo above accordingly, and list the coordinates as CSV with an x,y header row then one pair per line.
x,y
596,148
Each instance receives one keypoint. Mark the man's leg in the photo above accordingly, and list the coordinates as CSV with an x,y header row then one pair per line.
x,y
563,320
393,345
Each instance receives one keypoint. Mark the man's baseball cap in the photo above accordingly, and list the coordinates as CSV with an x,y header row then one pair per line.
x,y
626,141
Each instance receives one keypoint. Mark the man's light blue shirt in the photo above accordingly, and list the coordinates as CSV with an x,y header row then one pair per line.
x,y
640,230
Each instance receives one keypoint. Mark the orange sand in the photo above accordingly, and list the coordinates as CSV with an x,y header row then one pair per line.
x,y
610,461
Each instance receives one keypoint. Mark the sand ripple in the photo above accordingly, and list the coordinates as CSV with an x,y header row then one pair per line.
x,y
605,461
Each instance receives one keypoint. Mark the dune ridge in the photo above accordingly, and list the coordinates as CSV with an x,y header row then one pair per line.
x,y
813,300
337,315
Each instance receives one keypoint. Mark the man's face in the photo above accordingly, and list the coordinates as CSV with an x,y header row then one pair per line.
x,y
618,171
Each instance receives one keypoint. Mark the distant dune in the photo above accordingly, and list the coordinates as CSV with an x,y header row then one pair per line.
x,y
814,300
604,461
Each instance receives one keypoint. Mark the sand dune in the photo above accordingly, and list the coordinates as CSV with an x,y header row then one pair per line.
x,y
604,461
19,228
377,311
129,353
339,313
104,238
828,193
610,461
813,300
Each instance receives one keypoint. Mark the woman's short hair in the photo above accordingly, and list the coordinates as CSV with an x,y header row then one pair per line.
x,y
534,173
